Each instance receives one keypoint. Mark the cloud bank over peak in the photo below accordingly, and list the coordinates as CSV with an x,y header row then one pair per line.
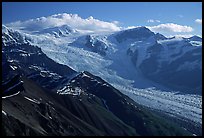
x,y
93,25
171,27
89,24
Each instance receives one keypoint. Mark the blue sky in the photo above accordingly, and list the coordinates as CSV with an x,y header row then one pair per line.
x,y
126,13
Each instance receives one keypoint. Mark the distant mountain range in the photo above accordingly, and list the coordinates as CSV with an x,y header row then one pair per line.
x,y
59,81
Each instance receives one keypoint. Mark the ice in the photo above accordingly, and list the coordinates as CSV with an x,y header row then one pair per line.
x,y
182,105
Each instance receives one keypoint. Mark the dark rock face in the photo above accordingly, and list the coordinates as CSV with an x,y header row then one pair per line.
x,y
183,80
30,61
36,111
195,38
160,36
96,45
131,113
138,34
152,61
28,55
181,74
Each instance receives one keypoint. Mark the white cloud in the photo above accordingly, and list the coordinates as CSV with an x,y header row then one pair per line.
x,y
198,21
116,22
170,27
130,27
73,20
153,21
150,21
181,16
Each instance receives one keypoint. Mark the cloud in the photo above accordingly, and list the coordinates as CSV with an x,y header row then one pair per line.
x,y
153,21
116,22
89,24
130,27
198,21
181,16
170,27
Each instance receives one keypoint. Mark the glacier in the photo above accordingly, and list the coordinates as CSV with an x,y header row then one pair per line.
x,y
117,69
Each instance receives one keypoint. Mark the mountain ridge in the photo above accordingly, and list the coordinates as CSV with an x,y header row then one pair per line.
x,y
23,53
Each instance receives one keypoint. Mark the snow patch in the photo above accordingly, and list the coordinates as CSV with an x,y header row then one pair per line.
x,y
84,75
196,43
11,95
32,100
73,81
69,90
3,112
13,67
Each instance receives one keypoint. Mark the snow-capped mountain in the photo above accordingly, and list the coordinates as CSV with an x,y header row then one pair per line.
x,y
42,97
11,36
156,56
20,57
61,31
195,38
147,67
176,63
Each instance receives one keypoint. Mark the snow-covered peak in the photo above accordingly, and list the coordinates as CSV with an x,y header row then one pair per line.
x,y
10,35
195,38
180,41
7,30
64,30
4,28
